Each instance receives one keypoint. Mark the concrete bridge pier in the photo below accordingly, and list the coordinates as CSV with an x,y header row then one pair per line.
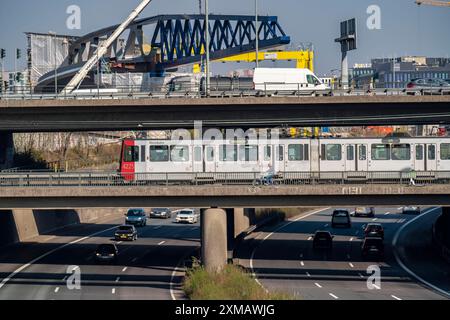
x,y
6,150
214,239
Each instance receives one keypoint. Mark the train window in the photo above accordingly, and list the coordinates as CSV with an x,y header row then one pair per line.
x,y
280,153
248,153
331,152
350,153
179,153
401,152
210,154
381,152
159,153
267,153
445,151
131,154
431,152
419,152
362,153
228,153
142,153
197,154
295,152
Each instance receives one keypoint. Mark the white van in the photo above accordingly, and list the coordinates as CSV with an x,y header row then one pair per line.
x,y
287,79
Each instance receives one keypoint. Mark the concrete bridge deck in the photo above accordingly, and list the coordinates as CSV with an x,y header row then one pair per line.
x,y
225,196
150,113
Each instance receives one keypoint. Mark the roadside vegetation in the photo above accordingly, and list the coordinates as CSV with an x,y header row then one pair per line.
x,y
279,214
232,283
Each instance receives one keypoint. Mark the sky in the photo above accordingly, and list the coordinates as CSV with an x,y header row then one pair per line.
x,y
406,29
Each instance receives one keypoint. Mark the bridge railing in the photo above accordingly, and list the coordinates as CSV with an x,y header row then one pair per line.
x,y
195,91
255,179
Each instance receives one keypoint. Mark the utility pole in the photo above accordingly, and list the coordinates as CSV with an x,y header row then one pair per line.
x,y
2,83
257,33
207,47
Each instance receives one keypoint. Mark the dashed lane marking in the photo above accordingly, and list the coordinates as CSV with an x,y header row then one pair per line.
x,y
334,296
124,269
396,298
113,291
302,263
351,265
318,285
56,289
161,243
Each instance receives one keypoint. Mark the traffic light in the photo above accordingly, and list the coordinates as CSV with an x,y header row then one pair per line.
x,y
18,54
2,53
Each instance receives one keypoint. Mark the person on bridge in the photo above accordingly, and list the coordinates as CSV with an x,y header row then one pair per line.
x,y
269,175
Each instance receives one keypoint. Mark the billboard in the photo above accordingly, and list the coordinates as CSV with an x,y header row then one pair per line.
x,y
348,35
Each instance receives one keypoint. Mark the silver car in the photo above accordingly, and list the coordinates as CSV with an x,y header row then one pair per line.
x,y
428,85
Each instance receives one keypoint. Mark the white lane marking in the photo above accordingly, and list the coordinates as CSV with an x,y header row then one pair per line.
x,y
361,276
376,287
301,255
309,238
399,208
351,265
124,269
117,279
18,270
119,242
157,227
334,296
396,298
302,263
56,289
113,291
400,262
193,228
351,239
318,285
387,213
276,230
356,233
64,279
374,219
308,274
161,243
326,225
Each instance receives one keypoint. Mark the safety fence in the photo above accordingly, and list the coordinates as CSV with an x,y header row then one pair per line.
x,y
99,178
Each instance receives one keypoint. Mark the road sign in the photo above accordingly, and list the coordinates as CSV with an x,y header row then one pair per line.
x,y
348,35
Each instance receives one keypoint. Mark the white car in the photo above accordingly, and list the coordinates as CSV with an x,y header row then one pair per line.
x,y
187,216
364,211
411,210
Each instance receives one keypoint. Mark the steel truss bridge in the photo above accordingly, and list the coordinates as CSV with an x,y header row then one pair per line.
x,y
175,40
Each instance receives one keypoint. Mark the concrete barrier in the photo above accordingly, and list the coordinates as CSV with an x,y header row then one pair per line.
x,y
21,225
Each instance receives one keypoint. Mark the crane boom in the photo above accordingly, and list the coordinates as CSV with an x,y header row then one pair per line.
x,y
103,48
433,3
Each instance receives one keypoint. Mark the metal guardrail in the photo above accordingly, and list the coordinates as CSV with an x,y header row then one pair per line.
x,y
132,92
89,179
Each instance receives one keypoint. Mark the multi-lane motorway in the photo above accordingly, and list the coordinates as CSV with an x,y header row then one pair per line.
x,y
146,268
283,260
281,257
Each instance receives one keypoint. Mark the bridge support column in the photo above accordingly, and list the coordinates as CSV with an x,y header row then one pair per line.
x,y
214,239
6,150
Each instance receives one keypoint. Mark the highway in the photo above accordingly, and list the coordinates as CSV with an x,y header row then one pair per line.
x,y
283,260
144,271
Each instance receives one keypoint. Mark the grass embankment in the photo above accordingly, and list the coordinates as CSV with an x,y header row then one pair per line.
x,y
232,283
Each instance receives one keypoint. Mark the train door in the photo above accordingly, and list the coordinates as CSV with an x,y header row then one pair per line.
x,y
431,158
267,158
425,157
356,157
280,158
197,159
209,158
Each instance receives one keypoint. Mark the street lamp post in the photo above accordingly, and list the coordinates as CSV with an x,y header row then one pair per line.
x,y
257,33
55,60
207,46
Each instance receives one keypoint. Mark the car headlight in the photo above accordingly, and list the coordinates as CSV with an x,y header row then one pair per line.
x,y
97,254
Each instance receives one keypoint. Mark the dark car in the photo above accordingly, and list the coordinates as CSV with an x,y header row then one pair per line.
x,y
136,217
374,230
372,247
411,210
322,240
164,213
106,253
126,232
341,218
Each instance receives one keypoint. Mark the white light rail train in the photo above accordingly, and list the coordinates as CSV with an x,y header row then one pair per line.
x,y
289,158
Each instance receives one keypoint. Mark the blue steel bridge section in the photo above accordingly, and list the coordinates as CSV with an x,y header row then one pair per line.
x,y
177,39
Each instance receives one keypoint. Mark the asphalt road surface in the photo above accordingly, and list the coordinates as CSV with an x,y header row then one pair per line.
x,y
146,268
283,260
